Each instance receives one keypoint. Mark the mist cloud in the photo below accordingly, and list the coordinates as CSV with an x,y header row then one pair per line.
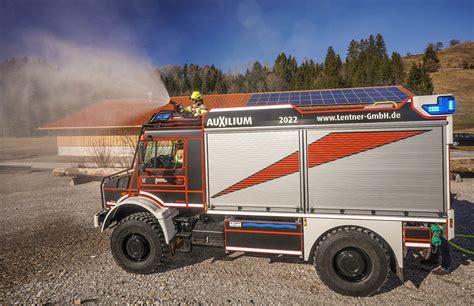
x,y
65,76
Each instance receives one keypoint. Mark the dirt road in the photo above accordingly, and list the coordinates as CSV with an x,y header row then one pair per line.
x,y
50,253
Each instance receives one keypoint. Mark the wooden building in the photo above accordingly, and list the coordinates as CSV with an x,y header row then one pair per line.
x,y
112,127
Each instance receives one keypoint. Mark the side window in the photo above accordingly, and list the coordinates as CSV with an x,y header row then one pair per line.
x,y
164,154
122,182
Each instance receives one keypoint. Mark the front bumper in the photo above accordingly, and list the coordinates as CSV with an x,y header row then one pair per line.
x,y
100,217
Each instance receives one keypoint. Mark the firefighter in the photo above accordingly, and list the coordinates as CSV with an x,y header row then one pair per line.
x,y
198,108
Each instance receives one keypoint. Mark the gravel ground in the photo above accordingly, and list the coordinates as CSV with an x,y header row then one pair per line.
x,y
50,253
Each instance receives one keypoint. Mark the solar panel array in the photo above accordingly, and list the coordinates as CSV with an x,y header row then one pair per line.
x,y
330,97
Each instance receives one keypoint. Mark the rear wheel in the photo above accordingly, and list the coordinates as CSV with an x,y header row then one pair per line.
x,y
137,243
352,261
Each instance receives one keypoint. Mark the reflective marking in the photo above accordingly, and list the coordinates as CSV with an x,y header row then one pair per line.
x,y
174,204
122,198
151,195
272,251
272,225
417,245
182,205
196,205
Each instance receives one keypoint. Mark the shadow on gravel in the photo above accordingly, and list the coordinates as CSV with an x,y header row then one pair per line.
x,y
200,254
413,271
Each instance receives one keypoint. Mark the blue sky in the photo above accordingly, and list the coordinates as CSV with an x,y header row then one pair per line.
x,y
232,34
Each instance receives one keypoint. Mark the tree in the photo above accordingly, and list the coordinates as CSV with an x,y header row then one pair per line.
x,y
454,42
305,76
214,81
195,78
285,69
430,59
255,78
236,82
398,74
380,49
186,82
280,68
382,62
439,46
332,77
419,80
352,63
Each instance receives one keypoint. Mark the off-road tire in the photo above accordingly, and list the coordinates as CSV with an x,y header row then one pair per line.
x,y
144,230
351,248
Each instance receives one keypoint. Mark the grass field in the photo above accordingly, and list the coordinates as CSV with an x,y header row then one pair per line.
x,y
460,83
449,58
27,147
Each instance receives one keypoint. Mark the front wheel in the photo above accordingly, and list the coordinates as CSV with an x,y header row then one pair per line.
x,y
137,243
352,261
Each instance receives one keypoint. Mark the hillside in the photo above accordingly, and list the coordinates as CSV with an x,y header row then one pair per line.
x,y
451,78
450,58
461,84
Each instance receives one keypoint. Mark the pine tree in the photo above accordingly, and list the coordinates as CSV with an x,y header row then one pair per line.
x,y
280,68
397,69
304,76
186,82
382,62
221,83
195,77
255,78
430,59
332,77
454,42
381,50
352,63
292,67
419,80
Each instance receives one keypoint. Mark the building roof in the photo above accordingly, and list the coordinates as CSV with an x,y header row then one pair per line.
x,y
134,113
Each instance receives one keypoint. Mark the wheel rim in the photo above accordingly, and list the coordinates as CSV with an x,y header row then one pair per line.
x,y
352,264
136,247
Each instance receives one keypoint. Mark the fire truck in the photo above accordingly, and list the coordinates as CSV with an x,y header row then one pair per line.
x,y
350,188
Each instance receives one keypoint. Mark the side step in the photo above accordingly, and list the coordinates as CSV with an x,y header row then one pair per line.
x,y
185,238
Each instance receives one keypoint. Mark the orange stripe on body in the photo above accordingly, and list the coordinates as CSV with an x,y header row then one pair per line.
x,y
326,149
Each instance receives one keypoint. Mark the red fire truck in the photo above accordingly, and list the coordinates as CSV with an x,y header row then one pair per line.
x,y
349,185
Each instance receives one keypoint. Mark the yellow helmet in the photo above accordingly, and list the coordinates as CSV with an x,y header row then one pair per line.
x,y
196,95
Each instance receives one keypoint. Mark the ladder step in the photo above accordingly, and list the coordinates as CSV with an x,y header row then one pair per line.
x,y
184,234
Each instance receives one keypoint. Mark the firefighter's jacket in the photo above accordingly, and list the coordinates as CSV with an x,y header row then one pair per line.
x,y
197,111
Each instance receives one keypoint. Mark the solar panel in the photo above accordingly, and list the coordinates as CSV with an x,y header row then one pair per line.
x,y
331,96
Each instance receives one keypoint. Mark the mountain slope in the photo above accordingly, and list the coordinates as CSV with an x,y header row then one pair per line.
x,y
451,78
449,58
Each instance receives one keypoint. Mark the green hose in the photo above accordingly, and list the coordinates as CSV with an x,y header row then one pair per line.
x,y
464,236
460,248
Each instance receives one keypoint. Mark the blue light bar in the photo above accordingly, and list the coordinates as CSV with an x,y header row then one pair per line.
x,y
446,105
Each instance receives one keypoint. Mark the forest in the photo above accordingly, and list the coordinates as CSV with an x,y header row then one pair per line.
x,y
367,63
